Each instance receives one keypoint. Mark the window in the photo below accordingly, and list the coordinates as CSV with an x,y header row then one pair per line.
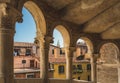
x,y
52,51
52,66
49,66
74,69
60,51
23,61
28,52
16,52
78,78
61,69
31,75
79,67
89,78
31,63
88,66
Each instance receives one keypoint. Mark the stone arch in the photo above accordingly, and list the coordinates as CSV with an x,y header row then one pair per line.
x,y
114,45
108,63
88,43
65,34
41,29
37,15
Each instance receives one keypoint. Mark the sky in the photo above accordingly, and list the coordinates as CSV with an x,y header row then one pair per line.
x,y
26,31
58,38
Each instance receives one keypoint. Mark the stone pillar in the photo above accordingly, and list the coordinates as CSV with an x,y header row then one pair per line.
x,y
44,48
118,67
69,60
7,23
94,68
118,74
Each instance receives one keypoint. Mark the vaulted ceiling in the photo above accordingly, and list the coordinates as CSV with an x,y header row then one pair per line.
x,y
98,16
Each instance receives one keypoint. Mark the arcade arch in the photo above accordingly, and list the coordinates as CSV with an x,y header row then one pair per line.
x,y
41,37
84,52
66,44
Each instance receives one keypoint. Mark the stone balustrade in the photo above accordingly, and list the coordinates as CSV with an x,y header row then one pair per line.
x,y
51,80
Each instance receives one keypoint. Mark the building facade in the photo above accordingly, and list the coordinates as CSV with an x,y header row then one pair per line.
x,y
27,61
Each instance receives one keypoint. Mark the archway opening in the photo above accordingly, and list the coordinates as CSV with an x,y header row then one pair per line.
x,y
57,56
26,49
108,64
81,59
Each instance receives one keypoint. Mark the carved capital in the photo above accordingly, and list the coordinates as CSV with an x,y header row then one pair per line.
x,y
45,42
14,13
69,51
3,12
8,16
95,57
48,39
72,49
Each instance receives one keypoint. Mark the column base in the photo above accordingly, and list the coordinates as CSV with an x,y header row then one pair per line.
x,y
45,81
69,80
2,80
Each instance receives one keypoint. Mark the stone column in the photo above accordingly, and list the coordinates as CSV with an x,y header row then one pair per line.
x,y
69,60
44,48
118,67
7,22
94,68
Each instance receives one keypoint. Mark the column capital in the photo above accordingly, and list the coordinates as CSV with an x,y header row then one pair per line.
x,y
48,39
70,51
8,16
95,56
45,42
71,48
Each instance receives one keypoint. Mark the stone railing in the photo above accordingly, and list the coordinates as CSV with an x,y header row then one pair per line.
x,y
35,80
51,80
54,80
81,81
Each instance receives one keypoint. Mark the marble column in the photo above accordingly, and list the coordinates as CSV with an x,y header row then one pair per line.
x,y
44,57
7,23
69,60
94,68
